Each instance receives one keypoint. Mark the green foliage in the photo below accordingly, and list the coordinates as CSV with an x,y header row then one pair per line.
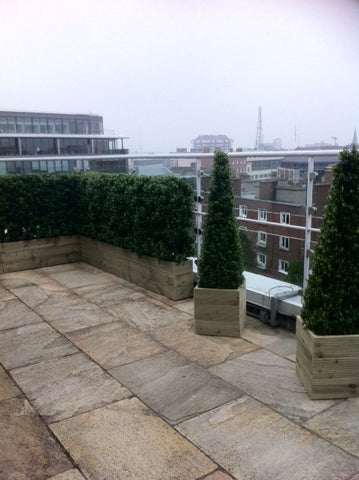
x,y
295,273
249,255
38,206
331,297
220,263
147,215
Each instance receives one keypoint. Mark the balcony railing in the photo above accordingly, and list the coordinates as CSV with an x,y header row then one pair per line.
x,y
130,161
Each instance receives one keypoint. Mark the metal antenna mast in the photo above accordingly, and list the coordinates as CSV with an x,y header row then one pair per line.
x,y
259,136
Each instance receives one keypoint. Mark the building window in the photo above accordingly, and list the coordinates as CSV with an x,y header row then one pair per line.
x,y
262,214
243,211
284,243
243,228
283,267
261,260
284,217
262,239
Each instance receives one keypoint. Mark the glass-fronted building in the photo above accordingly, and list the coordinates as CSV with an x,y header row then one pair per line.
x,y
60,143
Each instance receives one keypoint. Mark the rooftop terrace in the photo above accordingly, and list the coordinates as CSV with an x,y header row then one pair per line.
x,y
103,380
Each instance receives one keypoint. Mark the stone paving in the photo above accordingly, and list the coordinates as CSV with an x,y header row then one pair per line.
x,y
103,380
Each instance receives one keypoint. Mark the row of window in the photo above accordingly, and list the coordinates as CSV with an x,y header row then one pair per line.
x,y
53,146
60,166
262,241
50,124
262,263
284,217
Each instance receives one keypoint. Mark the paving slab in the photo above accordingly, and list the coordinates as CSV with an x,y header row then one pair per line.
x,y
72,313
272,380
277,340
5,294
174,387
63,387
204,350
186,306
72,474
146,313
125,440
339,424
19,279
28,450
36,295
8,389
115,343
79,277
108,294
13,313
251,441
64,267
218,475
31,344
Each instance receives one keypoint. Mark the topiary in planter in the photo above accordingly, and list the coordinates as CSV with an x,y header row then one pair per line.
x,y
220,264
331,297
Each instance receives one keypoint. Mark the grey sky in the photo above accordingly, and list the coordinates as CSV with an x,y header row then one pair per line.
x,y
164,71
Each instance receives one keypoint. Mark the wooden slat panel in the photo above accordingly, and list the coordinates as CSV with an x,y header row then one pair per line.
x,y
218,312
166,278
329,367
334,368
38,253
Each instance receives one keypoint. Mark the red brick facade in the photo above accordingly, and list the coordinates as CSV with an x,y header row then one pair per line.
x,y
276,245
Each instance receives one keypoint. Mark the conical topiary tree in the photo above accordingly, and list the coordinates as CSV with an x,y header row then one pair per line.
x,y
220,264
331,297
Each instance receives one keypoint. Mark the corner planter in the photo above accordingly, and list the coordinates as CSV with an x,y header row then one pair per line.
x,y
174,281
40,252
327,366
219,311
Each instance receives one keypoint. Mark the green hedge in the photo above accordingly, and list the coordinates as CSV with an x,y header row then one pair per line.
x,y
147,215
38,206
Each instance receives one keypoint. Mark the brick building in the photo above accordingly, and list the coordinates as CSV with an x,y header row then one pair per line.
x,y
270,214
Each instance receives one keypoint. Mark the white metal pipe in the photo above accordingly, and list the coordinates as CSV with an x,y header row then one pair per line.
x,y
243,154
308,220
151,156
198,207
284,225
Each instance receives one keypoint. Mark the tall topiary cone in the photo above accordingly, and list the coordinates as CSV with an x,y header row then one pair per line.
x,y
332,295
220,264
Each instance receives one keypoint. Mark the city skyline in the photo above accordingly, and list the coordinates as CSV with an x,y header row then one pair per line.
x,y
164,72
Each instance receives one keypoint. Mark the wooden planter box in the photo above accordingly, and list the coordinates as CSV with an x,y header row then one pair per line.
x,y
220,312
42,252
175,281
327,366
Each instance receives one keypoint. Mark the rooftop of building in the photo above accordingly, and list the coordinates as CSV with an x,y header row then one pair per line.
x,y
37,112
102,379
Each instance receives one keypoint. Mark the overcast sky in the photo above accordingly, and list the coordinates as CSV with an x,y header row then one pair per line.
x,y
165,71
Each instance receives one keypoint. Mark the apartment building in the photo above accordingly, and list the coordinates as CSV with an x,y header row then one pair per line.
x,y
273,214
39,142
211,143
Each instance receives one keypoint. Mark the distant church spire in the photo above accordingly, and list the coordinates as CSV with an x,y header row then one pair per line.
x,y
355,138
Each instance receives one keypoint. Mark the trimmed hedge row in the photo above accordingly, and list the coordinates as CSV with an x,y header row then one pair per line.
x,y
146,215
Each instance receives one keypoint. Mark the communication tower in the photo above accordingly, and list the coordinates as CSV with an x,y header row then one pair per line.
x,y
259,136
